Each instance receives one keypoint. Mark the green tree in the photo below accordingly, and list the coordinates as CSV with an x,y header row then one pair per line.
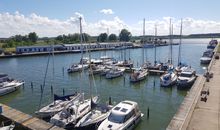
x,y
112,38
124,35
102,37
59,38
33,37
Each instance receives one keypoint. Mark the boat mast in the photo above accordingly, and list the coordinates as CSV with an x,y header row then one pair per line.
x,y
170,60
181,30
143,40
155,50
81,46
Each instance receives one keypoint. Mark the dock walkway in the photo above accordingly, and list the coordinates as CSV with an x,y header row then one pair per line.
x,y
26,120
195,113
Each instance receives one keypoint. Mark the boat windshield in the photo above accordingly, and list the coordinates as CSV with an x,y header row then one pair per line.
x,y
186,75
116,118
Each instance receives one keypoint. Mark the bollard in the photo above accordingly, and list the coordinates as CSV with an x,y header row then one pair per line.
x,y
109,101
124,80
51,89
31,84
148,112
63,92
41,88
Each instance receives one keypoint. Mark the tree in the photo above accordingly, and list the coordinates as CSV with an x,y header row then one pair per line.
x,y
112,38
124,35
59,38
33,37
102,37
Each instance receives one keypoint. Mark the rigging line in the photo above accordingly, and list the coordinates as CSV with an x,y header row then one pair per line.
x,y
45,75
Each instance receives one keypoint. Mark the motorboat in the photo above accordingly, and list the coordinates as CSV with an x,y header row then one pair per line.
x,y
10,86
126,115
212,44
168,79
94,117
115,72
77,68
59,103
69,116
138,75
8,127
206,57
186,78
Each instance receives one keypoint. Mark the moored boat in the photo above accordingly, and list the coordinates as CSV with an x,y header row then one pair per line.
x,y
186,78
126,115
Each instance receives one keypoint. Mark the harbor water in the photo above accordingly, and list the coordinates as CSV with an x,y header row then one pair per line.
x,y
162,102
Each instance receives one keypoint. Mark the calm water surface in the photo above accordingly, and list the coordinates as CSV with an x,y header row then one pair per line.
x,y
163,102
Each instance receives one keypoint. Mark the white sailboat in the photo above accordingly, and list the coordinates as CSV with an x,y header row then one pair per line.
x,y
94,117
68,117
124,116
170,78
141,73
57,105
115,72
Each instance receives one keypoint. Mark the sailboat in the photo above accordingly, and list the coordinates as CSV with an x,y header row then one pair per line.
x,y
59,103
68,117
181,66
115,72
141,73
169,78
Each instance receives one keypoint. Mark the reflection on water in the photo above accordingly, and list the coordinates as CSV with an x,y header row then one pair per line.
x,y
162,102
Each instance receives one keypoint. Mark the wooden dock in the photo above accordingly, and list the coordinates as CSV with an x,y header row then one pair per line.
x,y
25,120
200,109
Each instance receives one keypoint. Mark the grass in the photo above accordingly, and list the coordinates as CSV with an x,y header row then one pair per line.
x,y
9,49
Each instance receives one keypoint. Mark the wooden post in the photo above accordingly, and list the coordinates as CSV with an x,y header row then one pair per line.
x,y
148,113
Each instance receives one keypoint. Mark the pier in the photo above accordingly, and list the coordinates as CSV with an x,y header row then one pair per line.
x,y
27,121
200,109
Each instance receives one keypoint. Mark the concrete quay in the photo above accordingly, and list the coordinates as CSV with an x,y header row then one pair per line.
x,y
200,109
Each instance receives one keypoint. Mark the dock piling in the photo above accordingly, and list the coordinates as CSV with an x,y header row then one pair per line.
x,y
63,92
41,88
148,113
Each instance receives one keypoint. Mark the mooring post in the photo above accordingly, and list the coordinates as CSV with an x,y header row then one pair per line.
x,y
154,83
32,85
148,113
124,80
63,71
51,89
109,101
41,88
63,92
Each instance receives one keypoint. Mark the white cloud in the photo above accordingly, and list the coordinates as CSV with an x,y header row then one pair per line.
x,y
17,23
106,11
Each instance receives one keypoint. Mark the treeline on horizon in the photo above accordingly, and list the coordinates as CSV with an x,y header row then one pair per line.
x,y
33,39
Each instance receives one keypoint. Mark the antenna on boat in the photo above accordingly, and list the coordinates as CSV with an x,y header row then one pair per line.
x,y
180,44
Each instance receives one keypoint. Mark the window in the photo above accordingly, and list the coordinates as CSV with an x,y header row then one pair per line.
x,y
116,118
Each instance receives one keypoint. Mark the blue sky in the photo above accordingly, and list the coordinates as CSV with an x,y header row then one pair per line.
x,y
130,12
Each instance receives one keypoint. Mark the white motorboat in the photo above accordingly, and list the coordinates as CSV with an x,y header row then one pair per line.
x,y
124,116
168,79
206,57
115,72
68,117
77,68
94,117
186,78
9,127
138,75
57,105
10,86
